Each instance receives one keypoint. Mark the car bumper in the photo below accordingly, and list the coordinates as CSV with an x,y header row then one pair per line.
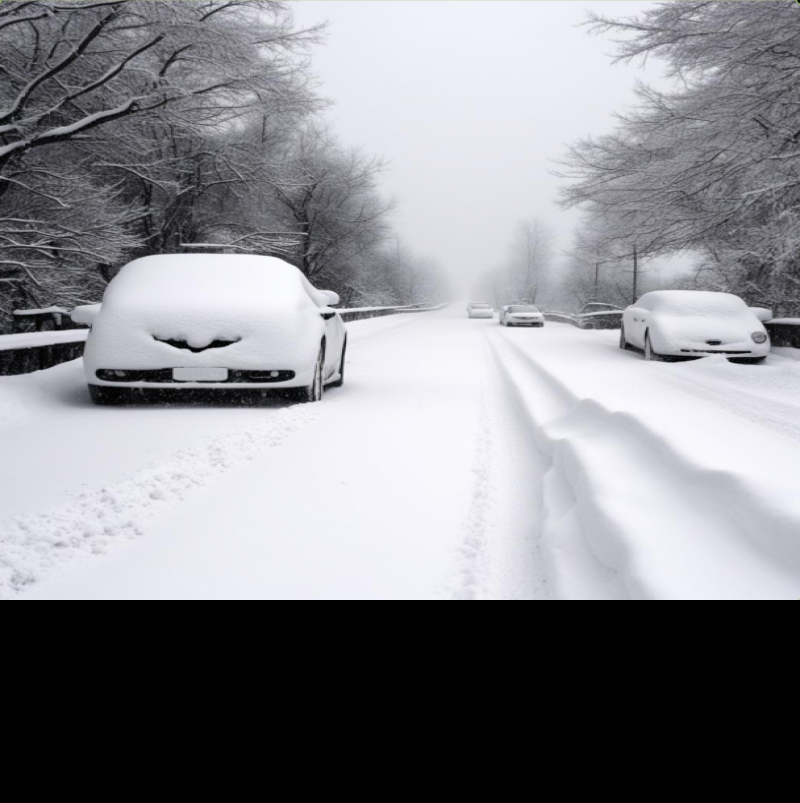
x,y
163,379
733,351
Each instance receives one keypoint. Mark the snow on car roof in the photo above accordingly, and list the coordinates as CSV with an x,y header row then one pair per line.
x,y
207,279
263,304
692,302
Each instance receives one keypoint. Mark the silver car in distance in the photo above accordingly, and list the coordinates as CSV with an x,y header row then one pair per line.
x,y
521,315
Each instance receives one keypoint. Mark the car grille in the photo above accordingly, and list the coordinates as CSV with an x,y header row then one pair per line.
x,y
164,376
182,344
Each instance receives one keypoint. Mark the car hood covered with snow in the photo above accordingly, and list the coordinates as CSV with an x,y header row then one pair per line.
x,y
689,331
207,311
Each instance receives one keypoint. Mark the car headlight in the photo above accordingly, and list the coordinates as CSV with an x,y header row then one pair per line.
x,y
759,337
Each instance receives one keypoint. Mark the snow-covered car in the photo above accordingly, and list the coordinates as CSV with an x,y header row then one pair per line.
x,y
687,324
480,311
228,323
521,315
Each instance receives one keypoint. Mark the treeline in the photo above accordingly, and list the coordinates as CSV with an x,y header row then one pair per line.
x,y
526,273
131,127
712,166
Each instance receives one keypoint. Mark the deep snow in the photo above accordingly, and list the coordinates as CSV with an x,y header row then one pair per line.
x,y
461,460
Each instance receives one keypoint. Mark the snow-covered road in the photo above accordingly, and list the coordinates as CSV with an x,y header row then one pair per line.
x,y
461,460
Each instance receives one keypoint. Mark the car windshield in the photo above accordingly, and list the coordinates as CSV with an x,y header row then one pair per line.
x,y
523,308
481,306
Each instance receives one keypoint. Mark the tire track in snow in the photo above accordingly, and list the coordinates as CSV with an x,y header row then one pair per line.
x,y
472,579
500,557
33,547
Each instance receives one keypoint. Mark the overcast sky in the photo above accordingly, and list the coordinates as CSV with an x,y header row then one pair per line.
x,y
470,100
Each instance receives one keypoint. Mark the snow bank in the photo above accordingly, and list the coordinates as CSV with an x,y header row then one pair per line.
x,y
677,491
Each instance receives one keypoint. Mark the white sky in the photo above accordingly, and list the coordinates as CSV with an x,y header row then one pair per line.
x,y
470,100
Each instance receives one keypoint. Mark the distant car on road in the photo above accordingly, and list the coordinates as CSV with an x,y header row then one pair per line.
x,y
220,322
521,315
480,311
688,324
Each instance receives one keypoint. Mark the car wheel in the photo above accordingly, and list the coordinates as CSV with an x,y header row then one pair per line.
x,y
623,341
749,360
315,391
340,381
649,354
109,397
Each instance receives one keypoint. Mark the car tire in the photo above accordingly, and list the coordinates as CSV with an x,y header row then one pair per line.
x,y
340,381
649,354
623,341
111,397
316,390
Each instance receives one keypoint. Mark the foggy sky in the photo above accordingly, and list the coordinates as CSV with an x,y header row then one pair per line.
x,y
470,100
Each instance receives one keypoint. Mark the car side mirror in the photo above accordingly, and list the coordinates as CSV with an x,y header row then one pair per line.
x,y
762,314
332,299
86,315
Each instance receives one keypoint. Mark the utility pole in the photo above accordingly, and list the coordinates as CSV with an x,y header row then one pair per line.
x,y
635,276
596,279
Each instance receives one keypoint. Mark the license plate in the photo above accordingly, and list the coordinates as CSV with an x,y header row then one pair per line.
x,y
200,374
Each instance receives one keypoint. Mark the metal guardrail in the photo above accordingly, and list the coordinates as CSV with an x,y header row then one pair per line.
x,y
36,351
26,353
363,313
561,317
588,320
784,332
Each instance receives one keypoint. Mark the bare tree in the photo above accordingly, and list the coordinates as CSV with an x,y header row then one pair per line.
x,y
712,165
531,253
118,117
328,195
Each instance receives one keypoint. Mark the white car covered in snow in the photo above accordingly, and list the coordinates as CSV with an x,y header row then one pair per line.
x,y
521,315
480,311
222,322
689,324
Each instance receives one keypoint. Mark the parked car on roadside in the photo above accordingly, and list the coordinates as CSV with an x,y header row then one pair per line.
x,y
477,310
598,315
521,315
220,322
688,324
597,307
